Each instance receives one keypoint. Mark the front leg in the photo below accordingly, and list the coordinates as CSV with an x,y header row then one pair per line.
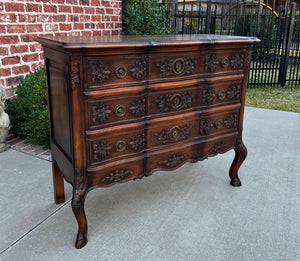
x,y
240,155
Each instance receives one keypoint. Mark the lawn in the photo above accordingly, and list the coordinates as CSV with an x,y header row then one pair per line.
x,y
284,99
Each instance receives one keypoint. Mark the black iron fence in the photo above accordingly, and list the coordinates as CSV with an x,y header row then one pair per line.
x,y
276,59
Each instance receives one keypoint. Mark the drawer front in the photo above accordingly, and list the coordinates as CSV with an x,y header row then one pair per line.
x,y
114,70
114,144
103,111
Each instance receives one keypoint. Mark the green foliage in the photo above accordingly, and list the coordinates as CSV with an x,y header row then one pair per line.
x,y
28,112
147,17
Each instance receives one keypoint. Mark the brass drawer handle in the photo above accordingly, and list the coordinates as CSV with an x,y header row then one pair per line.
x,y
120,145
218,124
221,94
224,62
120,110
121,71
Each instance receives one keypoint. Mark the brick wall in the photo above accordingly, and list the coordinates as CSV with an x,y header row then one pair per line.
x,y
23,20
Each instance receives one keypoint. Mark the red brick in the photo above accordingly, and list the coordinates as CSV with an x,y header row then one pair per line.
x,y
36,48
59,18
3,51
50,9
3,83
8,18
73,18
1,6
27,18
51,27
61,34
35,66
65,27
109,25
44,18
34,8
96,18
64,9
78,10
106,18
86,33
89,10
58,1
84,2
95,2
30,57
114,18
15,28
34,28
89,26
78,26
105,3
10,39
100,26
41,56
108,32
84,18
97,33
72,2
18,49
109,10
73,33
21,69
5,72
14,7
12,81
2,29
28,37
100,10
11,60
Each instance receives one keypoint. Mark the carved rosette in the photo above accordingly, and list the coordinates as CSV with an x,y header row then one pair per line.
x,y
237,61
219,147
205,126
139,70
173,161
137,142
75,78
117,176
208,95
101,150
172,102
231,121
211,63
138,107
233,92
177,66
173,134
100,113
99,72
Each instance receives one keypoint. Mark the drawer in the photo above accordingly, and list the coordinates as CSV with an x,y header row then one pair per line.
x,y
114,70
115,144
125,108
218,123
118,172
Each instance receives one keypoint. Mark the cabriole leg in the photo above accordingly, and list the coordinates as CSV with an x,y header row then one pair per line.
x,y
240,155
58,185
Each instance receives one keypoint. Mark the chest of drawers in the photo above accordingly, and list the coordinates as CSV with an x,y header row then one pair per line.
x,y
123,107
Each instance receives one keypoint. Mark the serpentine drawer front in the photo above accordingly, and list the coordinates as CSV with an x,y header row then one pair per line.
x,y
122,107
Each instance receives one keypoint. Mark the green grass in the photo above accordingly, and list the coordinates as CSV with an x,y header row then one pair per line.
x,y
284,99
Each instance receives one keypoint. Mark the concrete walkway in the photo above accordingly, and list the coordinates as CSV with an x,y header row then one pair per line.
x,y
189,214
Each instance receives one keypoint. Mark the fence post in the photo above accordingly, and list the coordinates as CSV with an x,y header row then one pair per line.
x,y
288,41
208,17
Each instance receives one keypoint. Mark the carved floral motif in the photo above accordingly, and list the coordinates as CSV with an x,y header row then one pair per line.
x,y
173,161
205,126
208,95
211,63
137,142
139,70
241,146
176,101
177,66
173,134
101,150
100,112
75,69
233,92
237,61
219,147
117,176
231,121
99,72
138,107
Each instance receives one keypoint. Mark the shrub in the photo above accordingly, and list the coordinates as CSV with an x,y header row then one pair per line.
x,y
28,111
147,17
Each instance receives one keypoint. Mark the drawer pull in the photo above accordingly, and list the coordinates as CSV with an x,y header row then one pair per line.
x,y
120,146
121,71
224,62
119,110
221,94
218,124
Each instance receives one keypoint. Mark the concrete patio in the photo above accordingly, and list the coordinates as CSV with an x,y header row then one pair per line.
x,y
189,214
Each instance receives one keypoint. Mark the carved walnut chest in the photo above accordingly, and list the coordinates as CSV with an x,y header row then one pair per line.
x,y
122,107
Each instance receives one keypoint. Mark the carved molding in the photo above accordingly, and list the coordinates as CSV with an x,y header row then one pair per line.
x,y
139,70
233,92
75,74
99,113
241,146
208,95
173,134
173,161
138,107
79,190
237,61
138,141
231,121
174,102
101,150
219,147
205,126
99,72
177,66
117,175
211,63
